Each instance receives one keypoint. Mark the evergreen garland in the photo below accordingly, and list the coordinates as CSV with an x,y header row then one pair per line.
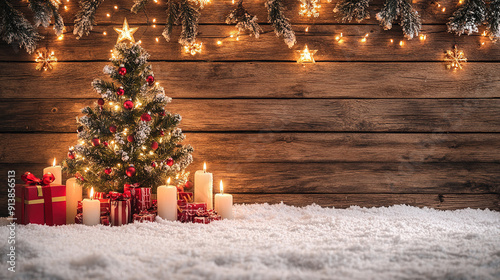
x,y
244,20
468,17
85,18
139,5
281,24
493,20
352,9
43,11
16,29
403,10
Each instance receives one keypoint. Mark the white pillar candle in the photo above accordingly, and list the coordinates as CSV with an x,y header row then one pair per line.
x,y
167,202
224,204
203,187
73,195
91,210
56,170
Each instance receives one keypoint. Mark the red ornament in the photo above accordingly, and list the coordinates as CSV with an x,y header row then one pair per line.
x,y
71,155
48,178
170,161
108,170
145,117
153,164
105,143
150,79
112,129
100,101
130,138
188,184
130,171
128,104
96,142
120,91
122,70
154,145
162,133
162,113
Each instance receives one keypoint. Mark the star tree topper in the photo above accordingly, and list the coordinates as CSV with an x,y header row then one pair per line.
x,y
455,58
125,33
306,56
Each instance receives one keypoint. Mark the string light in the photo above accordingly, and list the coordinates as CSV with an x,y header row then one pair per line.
x,y
307,29
108,15
116,7
157,40
154,20
422,37
306,56
219,43
391,40
339,39
65,8
363,40
60,37
105,33
401,43
193,48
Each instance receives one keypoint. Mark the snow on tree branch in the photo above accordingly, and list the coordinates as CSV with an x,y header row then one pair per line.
x,y
403,10
16,29
85,18
244,20
468,17
353,9
281,24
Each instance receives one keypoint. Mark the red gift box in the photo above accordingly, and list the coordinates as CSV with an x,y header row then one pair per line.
x,y
105,220
120,212
140,198
187,211
201,220
145,216
36,204
99,195
79,218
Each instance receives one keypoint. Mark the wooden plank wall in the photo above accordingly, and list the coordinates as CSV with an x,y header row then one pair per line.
x,y
370,124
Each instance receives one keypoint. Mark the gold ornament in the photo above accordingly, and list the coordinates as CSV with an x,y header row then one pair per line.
x,y
44,60
455,59
306,56
125,33
193,48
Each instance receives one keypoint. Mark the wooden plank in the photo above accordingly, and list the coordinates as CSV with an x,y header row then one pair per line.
x,y
270,48
437,201
266,80
287,147
319,115
339,178
217,11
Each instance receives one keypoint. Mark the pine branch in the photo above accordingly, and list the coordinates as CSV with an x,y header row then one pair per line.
x,y
138,6
85,18
172,17
281,24
468,17
244,21
16,29
353,9
400,9
43,11
189,16
493,20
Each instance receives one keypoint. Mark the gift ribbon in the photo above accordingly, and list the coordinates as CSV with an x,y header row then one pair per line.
x,y
41,200
31,179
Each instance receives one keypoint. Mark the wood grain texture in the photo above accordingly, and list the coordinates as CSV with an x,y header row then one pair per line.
x,y
314,115
437,201
266,80
270,48
216,11
287,147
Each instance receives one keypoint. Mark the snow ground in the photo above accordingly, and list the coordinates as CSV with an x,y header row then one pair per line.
x,y
269,242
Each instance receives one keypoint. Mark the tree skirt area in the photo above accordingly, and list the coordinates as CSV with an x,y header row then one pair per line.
x,y
270,242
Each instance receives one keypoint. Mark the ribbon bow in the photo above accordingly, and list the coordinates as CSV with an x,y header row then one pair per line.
x,y
31,179
119,196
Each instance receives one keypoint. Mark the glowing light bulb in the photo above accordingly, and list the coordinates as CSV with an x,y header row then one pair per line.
x,y
157,40
66,8
401,43
219,43
116,7
60,37
391,40
422,37
104,33
154,20
444,9
363,40
108,15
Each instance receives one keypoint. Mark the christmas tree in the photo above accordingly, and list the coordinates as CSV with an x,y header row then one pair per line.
x,y
128,137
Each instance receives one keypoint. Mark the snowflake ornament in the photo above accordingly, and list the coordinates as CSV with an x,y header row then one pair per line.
x,y
455,59
44,60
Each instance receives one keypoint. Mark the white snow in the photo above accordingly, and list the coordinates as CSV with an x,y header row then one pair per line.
x,y
269,242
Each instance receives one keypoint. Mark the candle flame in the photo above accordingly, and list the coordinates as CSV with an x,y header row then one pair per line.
x,y
204,167
221,187
168,181
92,193
54,162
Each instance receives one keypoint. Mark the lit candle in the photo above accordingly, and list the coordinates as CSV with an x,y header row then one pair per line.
x,y
203,187
56,170
224,204
73,195
91,210
167,201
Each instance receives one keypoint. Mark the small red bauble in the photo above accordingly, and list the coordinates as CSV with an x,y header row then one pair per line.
x,y
96,142
162,133
100,101
120,91
188,184
162,113
145,117
128,105
122,70
130,138
48,178
112,129
130,171
153,164
108,170
105,143
154,145
71,155
150,79
170,161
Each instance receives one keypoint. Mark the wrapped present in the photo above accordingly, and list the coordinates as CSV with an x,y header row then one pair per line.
x,y
120,211
144,216
79,218
201,220
186,196
204,216
79,207
105,206
99,195
105,220
39,202
140,197
186,211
